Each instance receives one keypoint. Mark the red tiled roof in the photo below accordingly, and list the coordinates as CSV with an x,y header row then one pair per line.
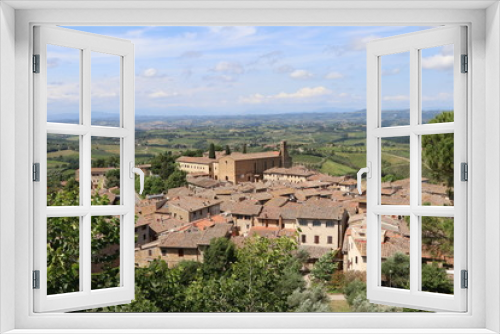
x,y
250,156
195,160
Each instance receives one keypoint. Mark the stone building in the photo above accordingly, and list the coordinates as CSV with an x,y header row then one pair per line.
x,y
294,175
189,208
196,165
237,167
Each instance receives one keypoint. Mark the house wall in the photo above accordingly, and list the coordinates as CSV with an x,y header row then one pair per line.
x,y
351,255
322,231
287,178
190,168
171,255
245,170
243,223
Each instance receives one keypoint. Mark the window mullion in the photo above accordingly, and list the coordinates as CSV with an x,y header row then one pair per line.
x,y
414,170
86,239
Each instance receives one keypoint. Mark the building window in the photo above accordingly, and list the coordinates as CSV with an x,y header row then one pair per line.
x,y
356,259
180,252
164,252
329,240
302,222
303,238
150,252
316,239
329,224
316,223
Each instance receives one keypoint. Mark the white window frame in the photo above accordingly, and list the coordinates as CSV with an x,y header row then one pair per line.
x,y
484,50
86,43
412,44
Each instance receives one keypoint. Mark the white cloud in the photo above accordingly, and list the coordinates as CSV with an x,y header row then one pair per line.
x,y
438,97
447,50
233,32
359,43
438,62
220,78
396,98
161,93
305,92
63,92
301,74
253,99
150,72
334,75
229,67
301,94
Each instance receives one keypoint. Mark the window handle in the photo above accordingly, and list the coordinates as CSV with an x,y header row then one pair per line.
x,y
368,171
138,171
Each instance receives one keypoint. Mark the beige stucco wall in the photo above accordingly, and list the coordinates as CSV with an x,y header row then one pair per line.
x,y
351,254
322,231
191,168
245,170
287,178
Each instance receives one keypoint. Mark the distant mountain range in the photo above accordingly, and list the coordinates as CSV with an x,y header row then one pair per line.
x,y
390,117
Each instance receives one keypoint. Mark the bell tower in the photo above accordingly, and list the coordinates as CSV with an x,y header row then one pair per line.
x,y
286,160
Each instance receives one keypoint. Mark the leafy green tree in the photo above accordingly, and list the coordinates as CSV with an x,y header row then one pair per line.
x,y
438,235
355,293
63,244
193,153
153,185
353,290
435,279
99,163
211,151
325,267
112,178
219,256
437,152
309,300
176,179
163,165
396,270
228,150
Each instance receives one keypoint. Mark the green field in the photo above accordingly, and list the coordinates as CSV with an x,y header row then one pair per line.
x,y
333,168
332,146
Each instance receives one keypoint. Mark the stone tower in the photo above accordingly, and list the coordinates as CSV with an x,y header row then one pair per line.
x,y
286,160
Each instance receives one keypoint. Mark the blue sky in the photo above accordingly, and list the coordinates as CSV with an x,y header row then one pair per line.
x,y
245,69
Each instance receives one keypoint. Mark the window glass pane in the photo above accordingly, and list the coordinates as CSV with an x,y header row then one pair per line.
x,y
105,89
105,252
395,251
395,171
63,84
63,170
105,171
437,169
437,254
63,255
437,84
395,89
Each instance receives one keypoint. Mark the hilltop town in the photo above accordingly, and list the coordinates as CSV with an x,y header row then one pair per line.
x,y
237,196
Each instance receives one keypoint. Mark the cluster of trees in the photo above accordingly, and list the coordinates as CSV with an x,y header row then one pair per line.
x,y
396,270
262,276
166,175
63,238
